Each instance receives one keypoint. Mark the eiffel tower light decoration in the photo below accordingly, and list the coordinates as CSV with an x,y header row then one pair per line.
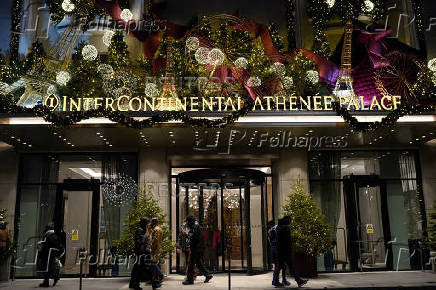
x,y
169,91
344,83
36,82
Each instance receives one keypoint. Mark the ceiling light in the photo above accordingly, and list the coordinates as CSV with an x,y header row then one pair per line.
x,y
98,133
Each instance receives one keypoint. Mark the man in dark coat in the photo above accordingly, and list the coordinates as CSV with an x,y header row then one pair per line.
x,y
50,251
143,263
284,249
195,244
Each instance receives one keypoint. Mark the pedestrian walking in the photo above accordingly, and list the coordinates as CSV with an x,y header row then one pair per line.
x,y
156,245
284,249
278,262
195,244
50,251
142,265
182,247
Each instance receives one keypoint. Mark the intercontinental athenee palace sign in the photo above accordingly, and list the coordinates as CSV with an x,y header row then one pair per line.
x,y
219,104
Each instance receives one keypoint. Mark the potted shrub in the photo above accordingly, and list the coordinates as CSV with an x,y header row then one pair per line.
x,y
309,230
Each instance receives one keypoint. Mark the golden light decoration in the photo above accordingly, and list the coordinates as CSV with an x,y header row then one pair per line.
x,y
67,6
89,52
330,3
126,15
432,64
151,90
106,71
312,76
4,88
369,6
241,62
202,55
63,77
192,43
254,81
107,37
215,57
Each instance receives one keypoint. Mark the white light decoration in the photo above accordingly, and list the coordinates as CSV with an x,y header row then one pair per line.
x,y
432,64
253,82
369,6
279,68
330,3
241,62
51,90
202,55
151,90
192,43
106,71
89,52
215,56
126,15
119,191
312,76
67,6
107,37
288,83
433,78
63,77
4,88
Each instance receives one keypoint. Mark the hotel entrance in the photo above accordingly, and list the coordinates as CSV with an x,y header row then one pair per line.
x,y
233,207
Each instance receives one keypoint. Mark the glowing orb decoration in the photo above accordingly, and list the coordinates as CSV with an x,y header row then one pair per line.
x,y
126,15
215,56
106,71
151,90
241,62
63,77
279,68
253,82
202,55
330,3
67,6
312,76
89,52
119,191
369,6
51,90
432,64
4,88
288,83
192,43
107,37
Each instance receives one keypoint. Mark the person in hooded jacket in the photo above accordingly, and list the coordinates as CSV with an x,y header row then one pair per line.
x,y
195,244
284,249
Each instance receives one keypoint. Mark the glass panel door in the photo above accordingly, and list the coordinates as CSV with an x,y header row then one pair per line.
x,y
77,226
372,241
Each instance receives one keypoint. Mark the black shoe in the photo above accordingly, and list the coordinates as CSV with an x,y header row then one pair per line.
x,y
277,284
302,282
208,277
55,281
44,284
187,282
156,285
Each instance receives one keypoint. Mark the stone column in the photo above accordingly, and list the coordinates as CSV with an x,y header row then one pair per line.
x,y
286,170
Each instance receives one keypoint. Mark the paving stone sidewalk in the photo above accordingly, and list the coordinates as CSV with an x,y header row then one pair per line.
x,y
376,280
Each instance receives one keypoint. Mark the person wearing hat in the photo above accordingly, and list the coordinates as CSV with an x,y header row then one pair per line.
x,y
195,244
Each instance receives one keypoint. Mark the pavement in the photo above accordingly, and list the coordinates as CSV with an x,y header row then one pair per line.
x,y
403,280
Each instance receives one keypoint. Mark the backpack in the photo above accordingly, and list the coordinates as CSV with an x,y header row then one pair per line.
x,y
272,234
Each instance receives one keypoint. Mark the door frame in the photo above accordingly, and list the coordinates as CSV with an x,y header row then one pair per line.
x,y
351,185
92,185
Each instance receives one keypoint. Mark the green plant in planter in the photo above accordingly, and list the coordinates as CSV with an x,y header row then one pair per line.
x,y
309,230
431,229
145,206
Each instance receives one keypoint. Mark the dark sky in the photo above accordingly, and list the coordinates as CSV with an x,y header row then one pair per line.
x,y
5,24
